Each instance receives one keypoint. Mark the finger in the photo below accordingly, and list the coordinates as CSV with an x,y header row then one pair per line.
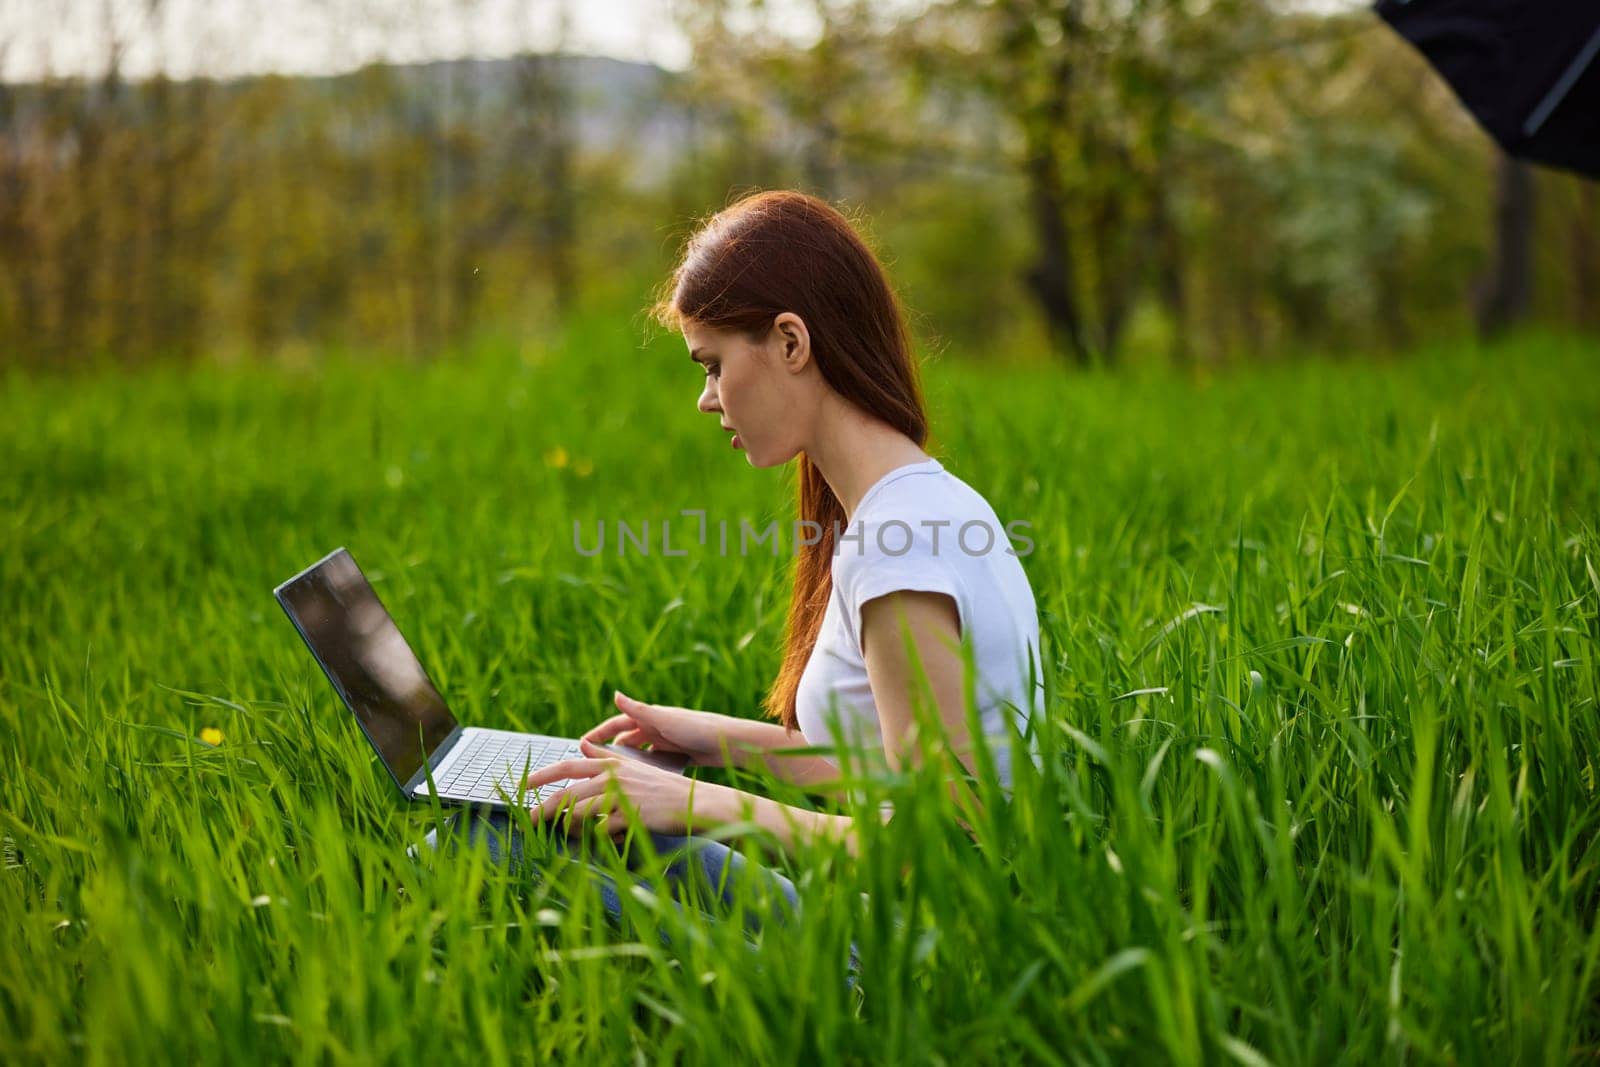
x,y
582,810
636,708
632,739
602,814
561,802
567,768
611,728
589,748
586,808
616,822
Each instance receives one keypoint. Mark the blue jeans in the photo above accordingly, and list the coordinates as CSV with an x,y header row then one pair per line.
x,y
698,870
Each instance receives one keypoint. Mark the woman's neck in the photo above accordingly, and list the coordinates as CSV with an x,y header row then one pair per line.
x,y
854,450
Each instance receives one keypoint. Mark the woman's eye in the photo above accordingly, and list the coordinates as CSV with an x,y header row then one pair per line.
x,y
714,371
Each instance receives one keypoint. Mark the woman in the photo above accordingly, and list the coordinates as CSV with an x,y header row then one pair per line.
x,y
807,357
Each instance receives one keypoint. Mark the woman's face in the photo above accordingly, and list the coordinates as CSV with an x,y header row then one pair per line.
x,y
752,388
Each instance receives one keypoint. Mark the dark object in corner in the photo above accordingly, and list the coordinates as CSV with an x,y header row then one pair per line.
x,y
1528,70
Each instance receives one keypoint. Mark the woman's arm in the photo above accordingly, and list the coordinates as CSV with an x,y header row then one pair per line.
x,y
622,791
709,739
762,746
934,627
932,624
790,825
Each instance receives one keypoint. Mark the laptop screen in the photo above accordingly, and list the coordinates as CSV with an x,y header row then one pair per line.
x,y
368,662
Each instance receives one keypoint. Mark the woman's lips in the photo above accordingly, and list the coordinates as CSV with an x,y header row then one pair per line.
x,y
735,440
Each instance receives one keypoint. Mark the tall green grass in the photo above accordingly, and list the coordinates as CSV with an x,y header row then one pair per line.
x,y
1318,777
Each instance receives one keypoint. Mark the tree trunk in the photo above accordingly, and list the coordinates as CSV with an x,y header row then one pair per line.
x,y
1586,256
1168,244
1506,293
1121,256
1050,278
547,100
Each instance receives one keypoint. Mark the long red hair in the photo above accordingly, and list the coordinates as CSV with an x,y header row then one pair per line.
x,y
780,251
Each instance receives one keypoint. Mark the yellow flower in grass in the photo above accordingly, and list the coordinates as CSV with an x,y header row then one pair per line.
x,y
211,735
556,457
583,468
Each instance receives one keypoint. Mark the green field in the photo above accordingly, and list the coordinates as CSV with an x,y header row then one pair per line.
x,y
1319,759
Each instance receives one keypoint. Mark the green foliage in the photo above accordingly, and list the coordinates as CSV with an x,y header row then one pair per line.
x,y
1317,767
1133,180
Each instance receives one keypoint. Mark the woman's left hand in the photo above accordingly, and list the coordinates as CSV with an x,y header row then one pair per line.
x,y
658,800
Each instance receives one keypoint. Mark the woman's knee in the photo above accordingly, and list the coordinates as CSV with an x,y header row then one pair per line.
x,y
725,876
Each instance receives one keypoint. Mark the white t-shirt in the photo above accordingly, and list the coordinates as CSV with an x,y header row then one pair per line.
x,y
921,528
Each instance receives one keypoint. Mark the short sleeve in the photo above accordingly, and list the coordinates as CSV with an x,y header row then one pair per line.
x,y
895,556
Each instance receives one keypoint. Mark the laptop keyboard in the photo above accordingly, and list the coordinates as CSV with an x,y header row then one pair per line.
x,y
490,764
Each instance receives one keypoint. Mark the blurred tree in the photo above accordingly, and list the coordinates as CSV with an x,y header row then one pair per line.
x,y
1506,291
837,111
765,97
1096,92
1110,179
544,114
1584,238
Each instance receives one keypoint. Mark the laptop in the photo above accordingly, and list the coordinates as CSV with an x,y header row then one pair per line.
x,y
400,710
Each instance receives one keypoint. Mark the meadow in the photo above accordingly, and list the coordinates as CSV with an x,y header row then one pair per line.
x,y
1318,761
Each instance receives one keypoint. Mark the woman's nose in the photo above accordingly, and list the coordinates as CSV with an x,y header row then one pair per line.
x,y
708,399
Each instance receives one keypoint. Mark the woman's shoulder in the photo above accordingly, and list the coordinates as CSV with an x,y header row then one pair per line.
x,y
926,496
923,517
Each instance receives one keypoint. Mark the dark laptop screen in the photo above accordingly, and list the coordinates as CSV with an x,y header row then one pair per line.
x,y
368,662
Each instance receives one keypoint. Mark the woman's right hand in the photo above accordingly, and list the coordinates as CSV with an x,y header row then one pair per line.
x,y
683,731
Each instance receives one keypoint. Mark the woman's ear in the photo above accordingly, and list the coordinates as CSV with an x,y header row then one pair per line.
x,y
794,339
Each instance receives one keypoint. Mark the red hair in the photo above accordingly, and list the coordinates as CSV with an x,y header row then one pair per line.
x,y
783,251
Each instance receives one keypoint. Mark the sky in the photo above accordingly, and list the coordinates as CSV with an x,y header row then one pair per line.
x,y
44,38
40,38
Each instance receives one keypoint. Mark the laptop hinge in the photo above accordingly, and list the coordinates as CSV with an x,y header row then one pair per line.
x,y
434,760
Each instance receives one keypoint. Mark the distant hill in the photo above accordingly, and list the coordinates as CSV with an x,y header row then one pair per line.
x,y
617,105
609,106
